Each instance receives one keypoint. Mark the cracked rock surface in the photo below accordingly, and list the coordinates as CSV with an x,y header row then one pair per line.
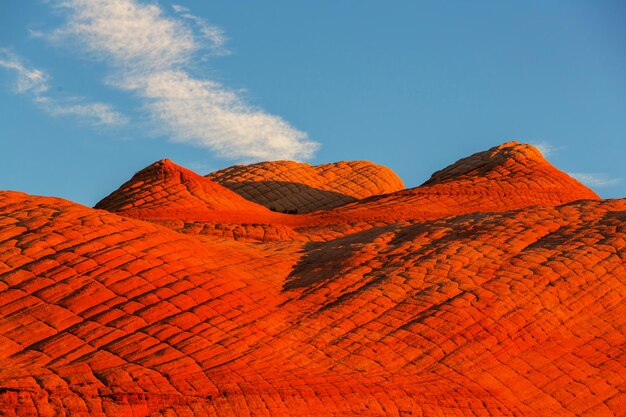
x,y
289,185
495,289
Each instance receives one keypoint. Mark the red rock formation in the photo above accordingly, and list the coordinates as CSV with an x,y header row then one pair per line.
x,y
165,189
514,310
289,185
171,195
505,177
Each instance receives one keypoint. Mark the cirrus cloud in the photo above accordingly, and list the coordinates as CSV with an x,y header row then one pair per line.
x,y
150,56
29,80
36,83
595,179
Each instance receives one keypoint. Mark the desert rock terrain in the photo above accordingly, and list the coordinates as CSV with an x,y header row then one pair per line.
x,y
496,288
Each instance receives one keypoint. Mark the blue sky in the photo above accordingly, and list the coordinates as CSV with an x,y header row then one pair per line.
x,y
92,91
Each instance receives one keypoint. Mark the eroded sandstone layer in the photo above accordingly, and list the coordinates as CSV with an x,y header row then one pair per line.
x,y
294,186
495,289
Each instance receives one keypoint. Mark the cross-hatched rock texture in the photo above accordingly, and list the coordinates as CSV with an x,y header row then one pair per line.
x,y
294,186
505,177
169,194
444,307
165,189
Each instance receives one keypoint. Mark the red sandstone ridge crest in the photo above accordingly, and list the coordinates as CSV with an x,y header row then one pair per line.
x,y
479,293
505,177
509,159
289,185
167,189
170,195
512,168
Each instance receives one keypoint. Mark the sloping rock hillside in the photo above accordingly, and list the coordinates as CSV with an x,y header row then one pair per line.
x,y
294,186
495,289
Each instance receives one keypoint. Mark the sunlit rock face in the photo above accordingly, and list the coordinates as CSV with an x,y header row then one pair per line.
x,y
293,186
494,289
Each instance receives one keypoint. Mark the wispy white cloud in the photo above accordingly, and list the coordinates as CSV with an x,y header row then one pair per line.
x,y
96,113
29,80
546,148
214,34
594,179
180,9
151,54
36,34
126,34
35,83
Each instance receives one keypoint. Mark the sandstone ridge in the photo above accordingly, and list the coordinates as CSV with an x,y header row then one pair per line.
x,y
512,168
289,185
166,186
505,177
491,163
495,289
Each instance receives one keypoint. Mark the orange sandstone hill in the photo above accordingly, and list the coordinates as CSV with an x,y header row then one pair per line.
x,y
293,186
495,289
169,194
166,189
505,177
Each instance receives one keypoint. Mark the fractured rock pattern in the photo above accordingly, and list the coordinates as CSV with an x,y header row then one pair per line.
x,y
517,176
437,308
289,185
165,187
169,194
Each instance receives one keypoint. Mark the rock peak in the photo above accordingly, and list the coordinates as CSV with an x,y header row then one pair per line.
x,y
165,164
167,187
513,148
480,164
